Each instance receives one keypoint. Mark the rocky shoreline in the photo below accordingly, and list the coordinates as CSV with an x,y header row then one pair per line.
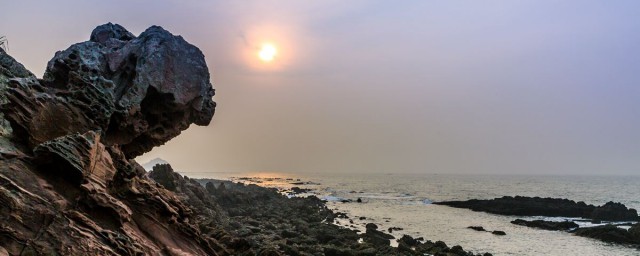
x,y
557,207
263,221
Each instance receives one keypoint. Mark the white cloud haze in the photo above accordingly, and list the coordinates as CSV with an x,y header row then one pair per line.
x,y
525,87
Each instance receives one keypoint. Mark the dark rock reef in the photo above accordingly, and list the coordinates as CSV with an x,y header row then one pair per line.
x,y
551,207
556,207
68,184
481,229
547,225
612,234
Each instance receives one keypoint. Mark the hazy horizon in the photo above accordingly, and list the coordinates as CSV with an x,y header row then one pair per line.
x,y
475,87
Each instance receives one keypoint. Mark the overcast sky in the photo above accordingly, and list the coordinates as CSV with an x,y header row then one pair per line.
x,y
517,87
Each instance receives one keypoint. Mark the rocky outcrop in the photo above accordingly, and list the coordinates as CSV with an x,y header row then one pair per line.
x,y
547,225
551,207
68,184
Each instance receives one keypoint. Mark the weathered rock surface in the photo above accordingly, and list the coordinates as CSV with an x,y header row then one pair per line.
x,y
140,93
68,184
551,207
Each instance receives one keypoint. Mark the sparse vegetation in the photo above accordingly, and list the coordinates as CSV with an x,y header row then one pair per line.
x,y
3,42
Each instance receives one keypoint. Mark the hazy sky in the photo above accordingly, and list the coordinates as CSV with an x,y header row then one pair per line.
x,y
526,87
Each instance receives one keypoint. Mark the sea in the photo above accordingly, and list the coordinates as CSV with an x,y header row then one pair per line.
x,y
405,201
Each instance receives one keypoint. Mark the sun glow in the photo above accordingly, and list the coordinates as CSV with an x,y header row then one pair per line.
x,y
268,48
267,53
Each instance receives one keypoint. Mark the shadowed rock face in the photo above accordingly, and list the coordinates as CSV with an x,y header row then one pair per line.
x,y
68,184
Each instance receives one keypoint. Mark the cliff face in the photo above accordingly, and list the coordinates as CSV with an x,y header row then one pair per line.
x,y
68,182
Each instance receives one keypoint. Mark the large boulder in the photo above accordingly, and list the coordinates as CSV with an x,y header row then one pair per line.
x,y
139,91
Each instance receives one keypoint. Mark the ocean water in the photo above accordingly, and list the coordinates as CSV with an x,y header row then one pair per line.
x,y
404,201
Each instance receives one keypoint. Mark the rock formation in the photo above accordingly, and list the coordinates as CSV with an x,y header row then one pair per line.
x,y
68,184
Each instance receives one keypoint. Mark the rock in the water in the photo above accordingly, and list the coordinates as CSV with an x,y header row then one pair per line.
x,y
548,225
391,229
608,233
499,233
477,228
614,212
552,207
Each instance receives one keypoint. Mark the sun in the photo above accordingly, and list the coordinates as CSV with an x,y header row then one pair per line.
x,y
267,53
